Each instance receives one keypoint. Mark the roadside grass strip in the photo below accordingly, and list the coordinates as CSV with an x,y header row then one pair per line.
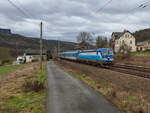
x,y
125,101
31,102
22,99
6,69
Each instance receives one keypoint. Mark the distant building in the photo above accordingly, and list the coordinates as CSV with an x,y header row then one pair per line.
x,y
5,31
123,38
143,46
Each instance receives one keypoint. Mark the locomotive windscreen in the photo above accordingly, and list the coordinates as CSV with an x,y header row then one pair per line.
x,y
107,51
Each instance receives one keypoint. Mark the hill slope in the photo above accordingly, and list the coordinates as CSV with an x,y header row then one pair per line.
x,y
142,35
20,43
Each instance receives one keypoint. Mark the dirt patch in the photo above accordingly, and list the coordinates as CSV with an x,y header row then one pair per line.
x,y
129,92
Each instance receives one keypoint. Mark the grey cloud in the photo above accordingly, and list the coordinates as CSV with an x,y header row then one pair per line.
x,y
64,19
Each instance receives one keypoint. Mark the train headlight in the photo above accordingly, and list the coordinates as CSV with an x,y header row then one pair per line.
x,y
104,59
111,59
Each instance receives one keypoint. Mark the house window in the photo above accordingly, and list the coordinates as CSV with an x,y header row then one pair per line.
x,y
130,41
123,42
116,41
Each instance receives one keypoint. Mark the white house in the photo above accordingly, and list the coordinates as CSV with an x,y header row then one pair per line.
x,y
123,38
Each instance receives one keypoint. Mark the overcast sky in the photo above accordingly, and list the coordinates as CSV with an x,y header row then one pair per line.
x,y
64,19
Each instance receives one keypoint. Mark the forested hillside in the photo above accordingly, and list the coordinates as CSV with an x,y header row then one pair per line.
x,y
19,43
142,35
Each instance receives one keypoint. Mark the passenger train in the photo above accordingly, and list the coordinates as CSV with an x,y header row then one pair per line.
x,y
104,56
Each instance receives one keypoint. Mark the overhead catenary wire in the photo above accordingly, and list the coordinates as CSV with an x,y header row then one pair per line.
x,y
144,4
25,9
41,31
100,9
141,6
18,8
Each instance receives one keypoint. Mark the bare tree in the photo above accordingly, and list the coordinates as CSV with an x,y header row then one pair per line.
x,y
84,39
111,43
124,51
101,42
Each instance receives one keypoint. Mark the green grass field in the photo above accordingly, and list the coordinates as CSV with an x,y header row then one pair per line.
x,y
144,53
6,69
30,102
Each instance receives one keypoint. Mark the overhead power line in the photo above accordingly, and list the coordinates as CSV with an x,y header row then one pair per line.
x,y
22,11
143,5
146,5
41,30
140,6
100,9
25,9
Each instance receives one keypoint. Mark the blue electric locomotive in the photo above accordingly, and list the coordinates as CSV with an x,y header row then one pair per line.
x,y
101,56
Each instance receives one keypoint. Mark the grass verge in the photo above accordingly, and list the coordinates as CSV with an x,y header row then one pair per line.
x,y
141,53
123,97
124,100
30,102
6,69
36,83
26,98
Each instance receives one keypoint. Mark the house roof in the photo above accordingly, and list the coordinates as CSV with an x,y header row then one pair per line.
x,y
117,35
141,43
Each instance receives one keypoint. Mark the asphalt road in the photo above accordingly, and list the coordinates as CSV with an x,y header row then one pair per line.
x,y
66,94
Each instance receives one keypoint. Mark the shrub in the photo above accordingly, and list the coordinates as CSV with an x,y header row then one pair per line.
x,y
5,55
5,62
124,52
37,83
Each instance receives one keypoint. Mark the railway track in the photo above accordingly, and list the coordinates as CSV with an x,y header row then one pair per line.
x,y
132,69
123,68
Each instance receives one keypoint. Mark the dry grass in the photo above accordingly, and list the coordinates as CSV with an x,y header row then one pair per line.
x,y
129,93
12,97
136,60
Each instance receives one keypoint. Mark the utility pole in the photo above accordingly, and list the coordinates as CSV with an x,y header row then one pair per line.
x,y
58,48
41,45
